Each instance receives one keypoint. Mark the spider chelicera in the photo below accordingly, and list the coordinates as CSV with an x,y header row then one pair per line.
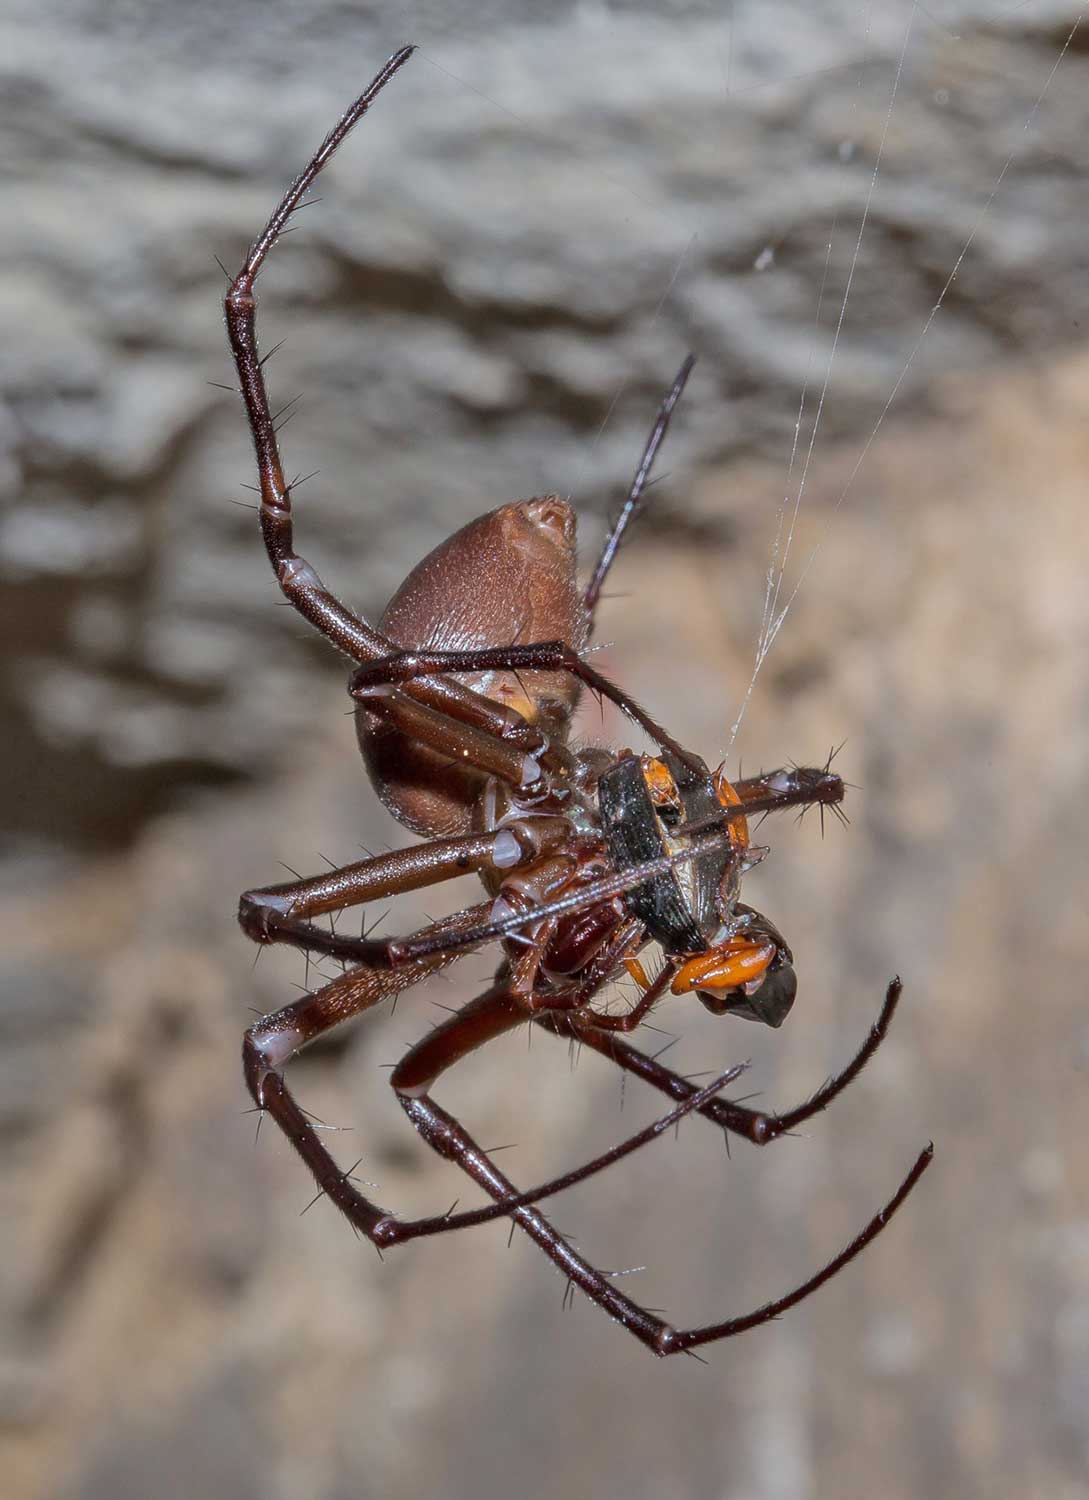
x,y
586,855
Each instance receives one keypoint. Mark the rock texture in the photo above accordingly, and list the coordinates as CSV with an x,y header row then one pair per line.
x,y
508,263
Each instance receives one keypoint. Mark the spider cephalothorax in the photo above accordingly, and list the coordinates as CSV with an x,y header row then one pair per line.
x,y
464,697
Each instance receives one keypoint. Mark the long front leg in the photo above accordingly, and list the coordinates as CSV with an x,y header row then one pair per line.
x,y
300,584
298,580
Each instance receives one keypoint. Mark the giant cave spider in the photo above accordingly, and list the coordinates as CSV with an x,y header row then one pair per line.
x,y
586,855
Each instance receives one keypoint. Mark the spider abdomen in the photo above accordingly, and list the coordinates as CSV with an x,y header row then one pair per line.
x,y
509,576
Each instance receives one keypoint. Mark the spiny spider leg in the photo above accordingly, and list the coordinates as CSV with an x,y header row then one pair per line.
x,y
632,505
490,1015
277,1038
692,1338
298,581
554,656
415,1228
269,1044
280,913
755,1125
272,1041
440,938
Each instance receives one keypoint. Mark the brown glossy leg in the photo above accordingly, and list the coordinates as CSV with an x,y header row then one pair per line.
x,y
298,580
274,1040
281,913
520,761
490,1016
414,1229
271,1042
398,951
476,927
301,585
554,656
277,1037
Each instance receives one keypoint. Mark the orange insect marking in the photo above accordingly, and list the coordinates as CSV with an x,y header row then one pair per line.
x,y
660,783
637,972
735,962
739,831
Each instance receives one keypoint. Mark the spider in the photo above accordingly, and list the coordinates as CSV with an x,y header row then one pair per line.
x,y
586,855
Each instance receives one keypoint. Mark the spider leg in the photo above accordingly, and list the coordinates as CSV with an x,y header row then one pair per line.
x,y
273,1040
554,656
474,927
300,584
270,1043
755,1125
413,1229
489,1016
680,1340
298,580
633,504
520,763
276,1038
281,913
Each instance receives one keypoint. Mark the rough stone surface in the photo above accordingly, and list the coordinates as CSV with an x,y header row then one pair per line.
x,y
508,263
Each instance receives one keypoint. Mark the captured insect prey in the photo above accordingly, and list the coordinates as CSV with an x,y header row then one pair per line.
x,y
464,694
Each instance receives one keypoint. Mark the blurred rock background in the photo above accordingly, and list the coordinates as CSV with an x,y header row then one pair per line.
x,y
509,261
